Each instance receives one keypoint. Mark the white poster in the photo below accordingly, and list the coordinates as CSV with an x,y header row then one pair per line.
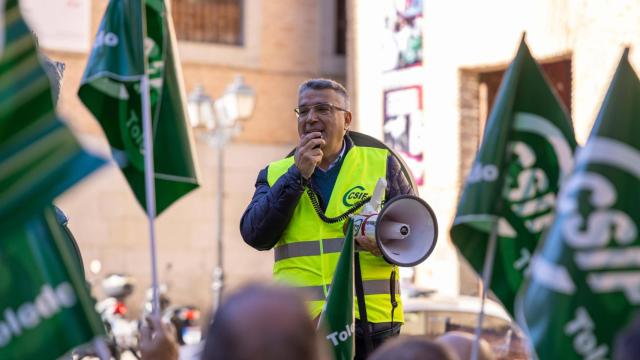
x,y
62,25
402,40
403,127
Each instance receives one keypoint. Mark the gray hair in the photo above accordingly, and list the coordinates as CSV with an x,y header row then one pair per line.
x,y
323,84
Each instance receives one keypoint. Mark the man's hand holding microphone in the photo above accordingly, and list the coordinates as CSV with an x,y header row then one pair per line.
x,y
309,153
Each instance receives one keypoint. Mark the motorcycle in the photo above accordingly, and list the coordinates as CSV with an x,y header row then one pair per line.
x,y
122,333
184,318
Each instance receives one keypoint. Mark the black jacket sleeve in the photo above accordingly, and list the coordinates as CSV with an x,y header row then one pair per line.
x,y
397,183
271,208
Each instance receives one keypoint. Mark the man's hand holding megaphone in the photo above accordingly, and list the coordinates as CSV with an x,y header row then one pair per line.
x,y
404,231
369,210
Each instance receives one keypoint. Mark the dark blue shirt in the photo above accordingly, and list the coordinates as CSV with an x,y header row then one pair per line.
x,y
324,181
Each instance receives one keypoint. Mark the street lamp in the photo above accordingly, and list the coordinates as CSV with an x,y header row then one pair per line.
x,y
219,121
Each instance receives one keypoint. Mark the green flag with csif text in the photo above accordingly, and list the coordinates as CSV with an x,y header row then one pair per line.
x,y
337,317
526,152
110,89
584,284
45,307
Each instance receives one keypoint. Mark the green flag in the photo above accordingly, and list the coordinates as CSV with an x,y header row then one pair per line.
x,y
585,279
45,308
526,151
110,89
39,156
337,315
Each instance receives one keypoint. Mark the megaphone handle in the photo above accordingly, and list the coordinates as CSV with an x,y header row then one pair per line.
x,y
376,199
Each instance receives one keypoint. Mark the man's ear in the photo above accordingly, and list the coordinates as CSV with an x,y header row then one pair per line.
x,y
347,119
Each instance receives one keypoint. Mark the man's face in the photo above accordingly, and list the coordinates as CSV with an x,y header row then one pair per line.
x,y
328,120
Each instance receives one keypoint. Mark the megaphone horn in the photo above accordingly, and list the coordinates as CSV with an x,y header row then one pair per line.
x,y
405,230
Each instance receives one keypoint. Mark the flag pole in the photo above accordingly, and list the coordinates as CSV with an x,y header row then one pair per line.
x,y
487,271
149,186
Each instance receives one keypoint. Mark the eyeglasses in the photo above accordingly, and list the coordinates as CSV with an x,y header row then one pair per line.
x,y
322,109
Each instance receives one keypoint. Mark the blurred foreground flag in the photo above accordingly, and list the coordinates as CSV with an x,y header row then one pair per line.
x,y
526,151
39,156
45,307
337,318
110,89
584,284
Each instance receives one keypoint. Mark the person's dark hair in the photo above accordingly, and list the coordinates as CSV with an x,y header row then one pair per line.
x,y
412,348
261,322
323,84
627,342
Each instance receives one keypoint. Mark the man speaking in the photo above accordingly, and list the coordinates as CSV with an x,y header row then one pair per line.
x,y
298,202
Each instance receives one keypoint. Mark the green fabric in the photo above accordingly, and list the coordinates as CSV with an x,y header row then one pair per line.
x,y
337,316
110,89
585,279
39,156
526,152
361,169
45,307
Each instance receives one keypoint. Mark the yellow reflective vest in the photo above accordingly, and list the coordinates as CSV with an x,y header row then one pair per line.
x,y
307,252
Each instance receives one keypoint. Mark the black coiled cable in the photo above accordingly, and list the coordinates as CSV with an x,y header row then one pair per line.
x,y
333,220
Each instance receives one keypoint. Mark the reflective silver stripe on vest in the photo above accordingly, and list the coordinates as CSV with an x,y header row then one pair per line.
x,y
308,248
371,287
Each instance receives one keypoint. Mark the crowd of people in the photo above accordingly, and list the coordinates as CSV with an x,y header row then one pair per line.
x,y
271,322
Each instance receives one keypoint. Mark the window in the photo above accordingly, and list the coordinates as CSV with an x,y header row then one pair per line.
x,y
558,72
209,21
478,91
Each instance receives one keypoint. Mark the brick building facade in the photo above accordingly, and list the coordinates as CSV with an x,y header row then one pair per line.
x,y
281,43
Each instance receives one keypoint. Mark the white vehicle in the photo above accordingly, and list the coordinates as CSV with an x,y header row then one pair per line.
x,y
434,315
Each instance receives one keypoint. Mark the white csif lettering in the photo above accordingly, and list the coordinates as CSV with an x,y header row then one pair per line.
x,y
603,237
29,315
584,341
480,173
106,39
341,336
133,125
598,225
533,197
530,197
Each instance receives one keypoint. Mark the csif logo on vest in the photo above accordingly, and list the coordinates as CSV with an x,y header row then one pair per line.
x,y
353,195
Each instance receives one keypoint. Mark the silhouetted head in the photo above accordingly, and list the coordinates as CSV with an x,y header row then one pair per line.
x,y
412,348
261,322
462,343
627,342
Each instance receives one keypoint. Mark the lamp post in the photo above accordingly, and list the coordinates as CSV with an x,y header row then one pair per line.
x,y
220,121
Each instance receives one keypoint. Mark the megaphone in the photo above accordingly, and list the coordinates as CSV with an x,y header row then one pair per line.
x,y
405,230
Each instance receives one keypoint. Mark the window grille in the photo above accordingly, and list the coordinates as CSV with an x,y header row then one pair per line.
x,y
208,21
